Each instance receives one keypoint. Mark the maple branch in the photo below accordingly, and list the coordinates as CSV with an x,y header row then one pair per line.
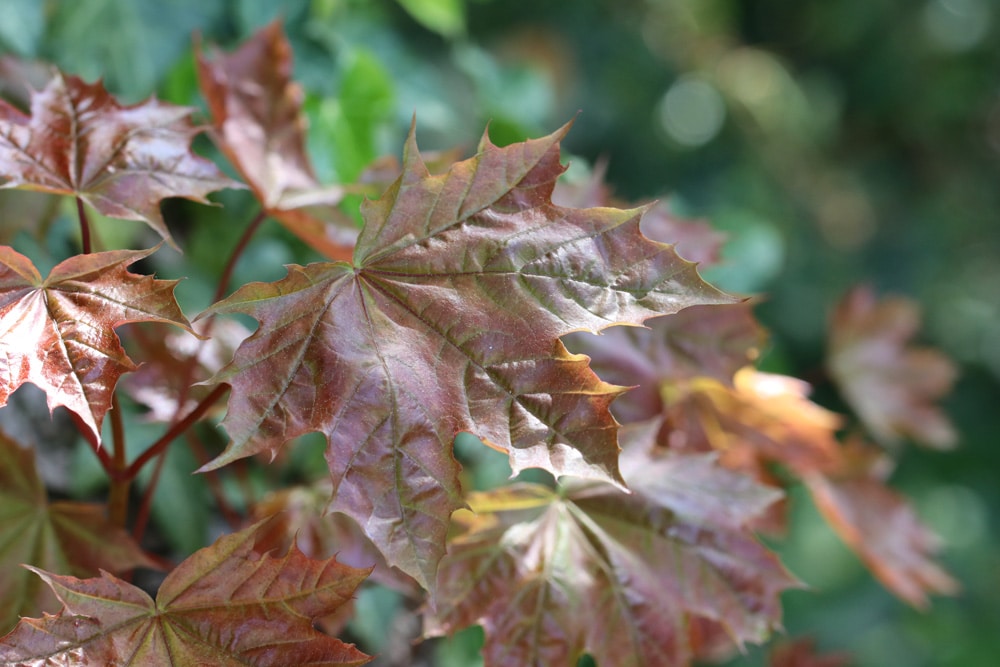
x,y
146,505
118,494
227,273
84,226
95,445
231,516
175,430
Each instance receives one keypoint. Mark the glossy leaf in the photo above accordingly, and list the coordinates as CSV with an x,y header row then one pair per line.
x,y
628,578
122,160
702,341
64,536
891,384
449,320
257,112
58,333
225,605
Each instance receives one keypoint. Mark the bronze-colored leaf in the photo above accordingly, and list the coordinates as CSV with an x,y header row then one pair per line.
x,y
890,384
58,333
449,320
122,160
259,125
628,578
225,605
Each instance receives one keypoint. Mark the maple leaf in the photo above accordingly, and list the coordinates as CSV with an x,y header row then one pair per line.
x,y
802,653
882,528
225,605
702,341
551,574
762,417
260,127
122,160
449,320
65,536
58,333
891,385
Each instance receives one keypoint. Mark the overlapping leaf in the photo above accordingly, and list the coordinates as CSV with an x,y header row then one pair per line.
x,y
703,341
122,160
260,127
890,384
64,536
628,578
58,333
225,605
449,320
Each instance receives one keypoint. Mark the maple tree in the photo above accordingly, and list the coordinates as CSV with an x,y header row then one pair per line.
x,y
468,302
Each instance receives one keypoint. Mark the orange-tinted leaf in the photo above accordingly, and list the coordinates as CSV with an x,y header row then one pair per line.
x,y
626,577
702,341
225,605
761,417
58,333
63,536
449,321
802,653
260,127
881,526
891,385
122,160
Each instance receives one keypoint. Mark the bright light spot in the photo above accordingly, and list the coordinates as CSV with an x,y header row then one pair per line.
x,y
957,25
692,111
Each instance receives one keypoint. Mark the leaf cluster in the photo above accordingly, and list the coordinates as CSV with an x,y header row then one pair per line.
x,y
483,296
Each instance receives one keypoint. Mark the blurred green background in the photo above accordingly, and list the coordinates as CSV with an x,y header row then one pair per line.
x,y
834,142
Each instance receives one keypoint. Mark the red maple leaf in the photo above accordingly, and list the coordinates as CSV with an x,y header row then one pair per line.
x,y
122,160
58,333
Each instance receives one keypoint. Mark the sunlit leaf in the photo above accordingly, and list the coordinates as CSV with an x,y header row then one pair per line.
x,y
122,160
628,578
449,320
58,333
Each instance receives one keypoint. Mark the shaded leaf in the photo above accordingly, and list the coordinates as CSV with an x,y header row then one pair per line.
x,y
257,112
175,360
448,321
890,384
225,605
628,578
58,333
65,536
122,160
802,653
882,528
701,341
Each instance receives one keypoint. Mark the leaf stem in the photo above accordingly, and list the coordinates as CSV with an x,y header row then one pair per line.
x,y
120,483
146,505
95,445
84,226
175,430
234,256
